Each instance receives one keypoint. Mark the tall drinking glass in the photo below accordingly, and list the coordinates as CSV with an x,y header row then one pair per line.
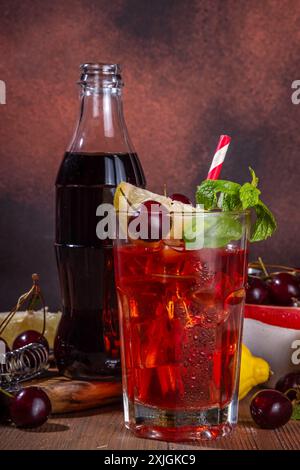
x,y
181,315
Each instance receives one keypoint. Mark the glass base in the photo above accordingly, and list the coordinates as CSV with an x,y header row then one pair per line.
x,y
180,425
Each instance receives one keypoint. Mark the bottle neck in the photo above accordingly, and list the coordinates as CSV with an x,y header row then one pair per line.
x,y
101,127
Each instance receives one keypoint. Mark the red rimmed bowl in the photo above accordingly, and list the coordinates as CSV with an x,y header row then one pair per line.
x,y
273,333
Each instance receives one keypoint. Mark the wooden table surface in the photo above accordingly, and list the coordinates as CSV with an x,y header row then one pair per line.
x,y
103,429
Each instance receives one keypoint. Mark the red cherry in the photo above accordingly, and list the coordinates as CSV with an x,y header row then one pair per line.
x,y
30,407
181,198
158,221
289,384
284,288
270,409
257,291
28,337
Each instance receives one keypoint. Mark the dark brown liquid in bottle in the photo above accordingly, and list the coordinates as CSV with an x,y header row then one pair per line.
x,y
87,342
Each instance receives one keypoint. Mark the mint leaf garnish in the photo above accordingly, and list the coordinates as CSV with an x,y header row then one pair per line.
x,y
206,195
230,196
249,195
265,223
208,191
230,202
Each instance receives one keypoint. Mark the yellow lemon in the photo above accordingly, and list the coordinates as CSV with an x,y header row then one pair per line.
x,y
254,371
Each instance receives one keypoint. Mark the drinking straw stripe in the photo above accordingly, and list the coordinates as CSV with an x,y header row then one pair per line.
x,y
219,157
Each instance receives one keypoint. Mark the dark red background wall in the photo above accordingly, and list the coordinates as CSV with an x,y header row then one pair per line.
x,y
193,70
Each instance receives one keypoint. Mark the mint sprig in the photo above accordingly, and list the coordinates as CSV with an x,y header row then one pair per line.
x,y
207,193
230,196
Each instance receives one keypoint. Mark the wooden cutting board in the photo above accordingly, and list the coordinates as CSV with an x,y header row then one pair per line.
x,y
68,395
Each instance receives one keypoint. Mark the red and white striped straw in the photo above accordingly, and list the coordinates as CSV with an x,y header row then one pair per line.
x,y
219,157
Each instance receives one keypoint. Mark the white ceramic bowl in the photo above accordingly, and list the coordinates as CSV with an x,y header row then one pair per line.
x,y
273,333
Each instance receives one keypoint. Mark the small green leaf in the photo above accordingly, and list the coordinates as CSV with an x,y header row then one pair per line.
x,y
265,223
249,195
255,180
296,412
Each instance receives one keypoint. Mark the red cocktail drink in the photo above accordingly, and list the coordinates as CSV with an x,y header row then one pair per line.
x,y
181,314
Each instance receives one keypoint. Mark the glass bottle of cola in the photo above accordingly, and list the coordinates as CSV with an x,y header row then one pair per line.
x,y
99,157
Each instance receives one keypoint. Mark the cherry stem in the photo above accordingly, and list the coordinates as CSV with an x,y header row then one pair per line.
x,y
20,302
263,267
165,190
35,293
277,266
5,392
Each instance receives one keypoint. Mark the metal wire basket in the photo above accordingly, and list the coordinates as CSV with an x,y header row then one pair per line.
x,y
23,364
